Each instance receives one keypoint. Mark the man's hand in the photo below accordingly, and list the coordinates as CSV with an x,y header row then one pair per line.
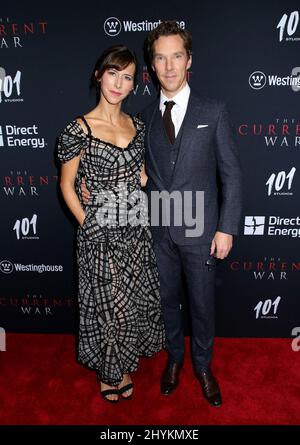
x,y
143,176
221,245
84,191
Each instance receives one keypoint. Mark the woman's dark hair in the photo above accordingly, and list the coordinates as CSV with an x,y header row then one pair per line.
x,y
117,57
168,28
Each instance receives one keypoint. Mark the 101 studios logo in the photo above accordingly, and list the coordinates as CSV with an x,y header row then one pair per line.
x,y
26,228
10,85
267,308
281,183
288,26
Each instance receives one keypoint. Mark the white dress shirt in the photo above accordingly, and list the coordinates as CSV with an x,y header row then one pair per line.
x,y
179,109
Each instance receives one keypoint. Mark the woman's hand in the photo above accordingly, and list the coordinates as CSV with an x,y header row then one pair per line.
x,y
84,191
68,175
144,177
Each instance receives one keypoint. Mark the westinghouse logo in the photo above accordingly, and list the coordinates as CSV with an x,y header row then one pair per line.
x,y
12,136
113,26
274,226
7,267
258,80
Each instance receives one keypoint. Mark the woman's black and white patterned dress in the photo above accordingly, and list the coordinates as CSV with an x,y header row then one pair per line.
x,y
119,304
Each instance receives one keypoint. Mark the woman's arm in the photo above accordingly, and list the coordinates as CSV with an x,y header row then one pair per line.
x,y
144,177
67,181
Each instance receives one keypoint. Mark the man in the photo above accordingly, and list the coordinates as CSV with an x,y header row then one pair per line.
x,y
188,143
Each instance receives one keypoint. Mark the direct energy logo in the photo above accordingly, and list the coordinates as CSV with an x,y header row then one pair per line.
x,y
254,225
274,226
12,136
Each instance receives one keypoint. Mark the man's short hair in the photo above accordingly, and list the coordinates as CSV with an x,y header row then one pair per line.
x,y
168,28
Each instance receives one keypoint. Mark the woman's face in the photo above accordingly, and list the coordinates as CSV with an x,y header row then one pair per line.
x,y
116,85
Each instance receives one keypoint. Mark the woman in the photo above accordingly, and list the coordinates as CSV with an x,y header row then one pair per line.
x,y
120,313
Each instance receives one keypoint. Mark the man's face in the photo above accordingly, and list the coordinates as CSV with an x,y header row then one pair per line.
x,y
170,63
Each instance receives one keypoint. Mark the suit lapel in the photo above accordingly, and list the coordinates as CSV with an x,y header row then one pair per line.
x,y
150,152
191,119
190,134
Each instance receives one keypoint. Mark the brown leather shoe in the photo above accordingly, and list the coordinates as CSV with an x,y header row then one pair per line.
x,y
170,378
210,387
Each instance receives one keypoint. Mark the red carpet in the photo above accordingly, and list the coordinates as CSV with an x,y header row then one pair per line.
x,y
41,383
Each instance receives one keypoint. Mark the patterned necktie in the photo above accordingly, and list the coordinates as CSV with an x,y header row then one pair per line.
x,y
167,118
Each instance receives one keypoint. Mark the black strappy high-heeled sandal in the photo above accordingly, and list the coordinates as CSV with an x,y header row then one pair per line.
x,y
109,392
125,389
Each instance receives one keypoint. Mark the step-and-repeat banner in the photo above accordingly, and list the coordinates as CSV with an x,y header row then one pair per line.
x,y
244,53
